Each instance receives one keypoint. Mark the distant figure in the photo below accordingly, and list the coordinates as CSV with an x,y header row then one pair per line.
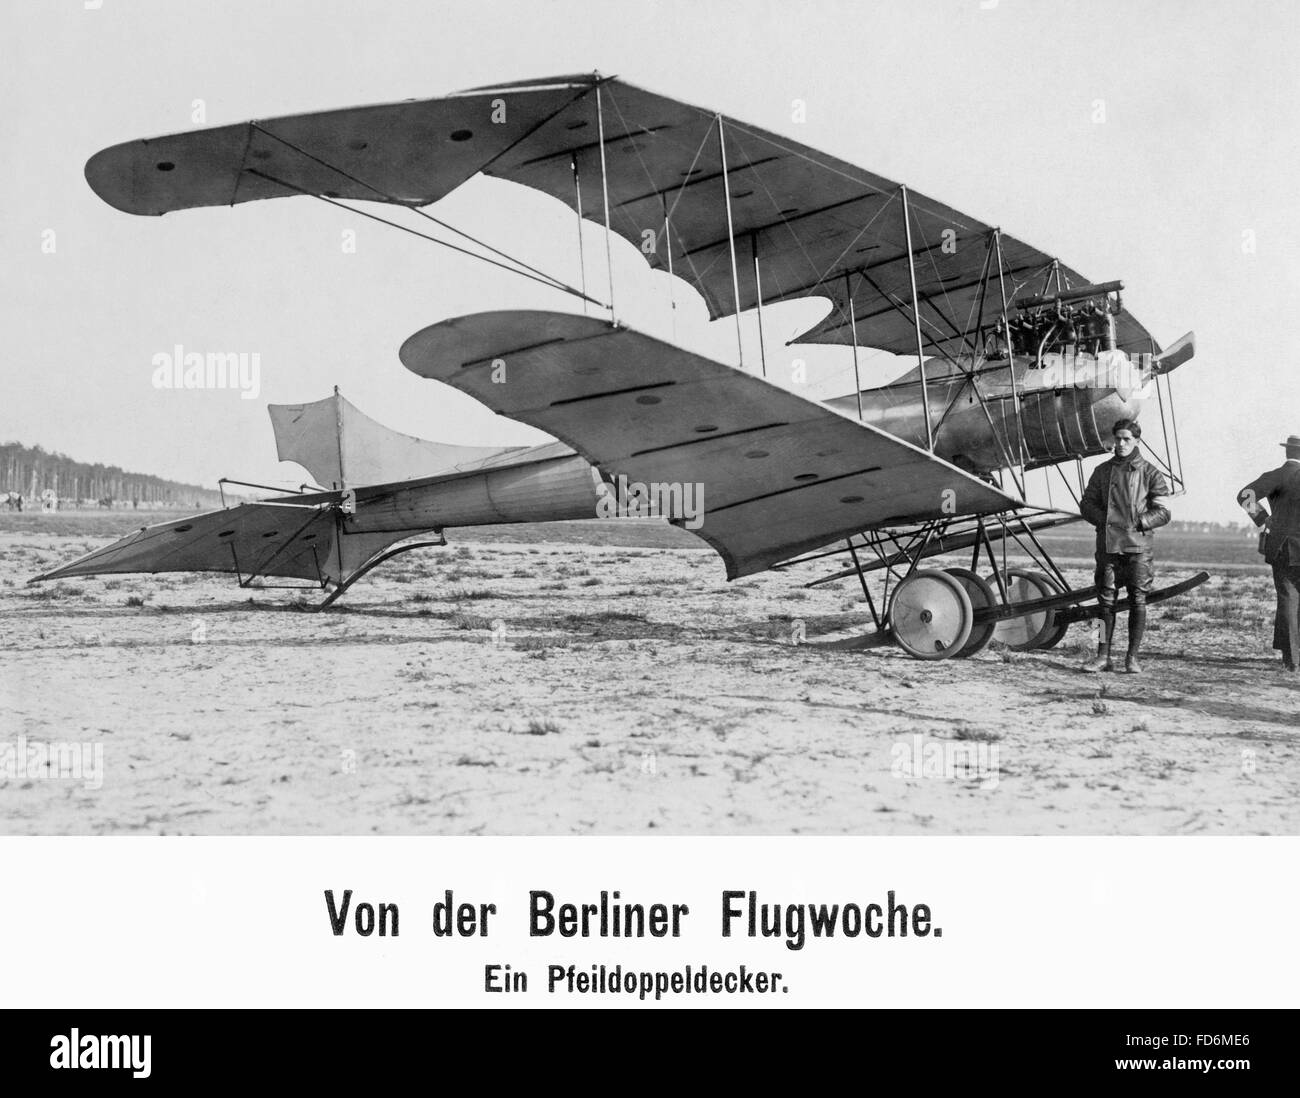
x,y
49,501
1123,501
1280,487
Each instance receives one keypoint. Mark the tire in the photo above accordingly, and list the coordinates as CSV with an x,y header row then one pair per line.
x,y
1059,628
981,596
1025,633
930,615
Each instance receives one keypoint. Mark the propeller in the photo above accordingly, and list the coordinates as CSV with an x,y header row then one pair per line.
x,y
1175,355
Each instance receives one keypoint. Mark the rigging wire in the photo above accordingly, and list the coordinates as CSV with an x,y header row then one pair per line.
x,y
629,131
668,249
535,274
543,280
385,197
939,337
822,276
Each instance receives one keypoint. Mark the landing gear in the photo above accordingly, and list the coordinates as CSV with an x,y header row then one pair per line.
x,y
982,597
931,615
936,615
1060,626
1033,629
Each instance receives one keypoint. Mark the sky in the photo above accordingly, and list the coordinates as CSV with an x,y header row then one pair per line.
x,y
1156,143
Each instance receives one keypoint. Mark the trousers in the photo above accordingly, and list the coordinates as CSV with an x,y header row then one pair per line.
x,y
1286,631
1135,572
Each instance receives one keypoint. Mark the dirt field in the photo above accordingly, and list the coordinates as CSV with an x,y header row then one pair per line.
x,y
545,685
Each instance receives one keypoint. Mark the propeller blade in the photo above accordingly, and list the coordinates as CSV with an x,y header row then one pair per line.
x,y
1176,354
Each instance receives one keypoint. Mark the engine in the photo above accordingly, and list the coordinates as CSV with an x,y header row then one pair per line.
x,y
1082,318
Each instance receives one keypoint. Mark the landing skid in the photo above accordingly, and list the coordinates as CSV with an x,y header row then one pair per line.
x,y
374,562
935,614
1068,612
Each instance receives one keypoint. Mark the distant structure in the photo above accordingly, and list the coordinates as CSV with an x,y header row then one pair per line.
x,y
1217,528
37,475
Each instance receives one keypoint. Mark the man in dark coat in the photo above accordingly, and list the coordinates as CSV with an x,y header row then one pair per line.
x,y
1123,501
1280,488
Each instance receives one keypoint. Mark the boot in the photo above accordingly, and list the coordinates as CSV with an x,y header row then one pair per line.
x,y
1102,661
1137,624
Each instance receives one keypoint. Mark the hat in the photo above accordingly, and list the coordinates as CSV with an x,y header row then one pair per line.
x,y
1291,443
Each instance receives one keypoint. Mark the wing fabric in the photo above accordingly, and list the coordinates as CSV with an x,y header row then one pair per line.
x,y
805,223
339,444
301,540
411,153
310,537
251,538
779,474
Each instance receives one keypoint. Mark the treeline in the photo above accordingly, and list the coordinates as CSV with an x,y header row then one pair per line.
x,y
31,470
1191,527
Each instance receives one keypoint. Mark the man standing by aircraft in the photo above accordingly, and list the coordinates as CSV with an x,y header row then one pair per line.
x,y
1281,521
1123,501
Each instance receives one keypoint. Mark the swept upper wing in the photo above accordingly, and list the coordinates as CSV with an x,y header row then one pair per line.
x,y
810,224
412,153
780,474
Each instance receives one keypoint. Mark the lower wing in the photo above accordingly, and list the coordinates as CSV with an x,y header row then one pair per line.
x,y
778,474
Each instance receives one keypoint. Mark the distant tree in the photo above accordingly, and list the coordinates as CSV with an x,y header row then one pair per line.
x,y
32,469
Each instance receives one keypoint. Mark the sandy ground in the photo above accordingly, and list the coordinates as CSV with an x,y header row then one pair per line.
x,y
514,688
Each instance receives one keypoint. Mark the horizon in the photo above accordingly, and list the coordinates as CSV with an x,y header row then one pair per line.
x,y
1244,524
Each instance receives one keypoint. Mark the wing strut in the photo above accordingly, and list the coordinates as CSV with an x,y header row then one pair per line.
x,y
1011,362
758,283
604,187
731,238
582,259
853,325
916,317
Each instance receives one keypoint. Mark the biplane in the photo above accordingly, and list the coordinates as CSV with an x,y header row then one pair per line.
x,y
1021,362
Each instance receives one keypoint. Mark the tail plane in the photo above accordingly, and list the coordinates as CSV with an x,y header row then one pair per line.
x,y
381,492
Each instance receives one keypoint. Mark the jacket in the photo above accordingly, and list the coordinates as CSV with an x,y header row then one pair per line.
x,y
1125,519
1281,487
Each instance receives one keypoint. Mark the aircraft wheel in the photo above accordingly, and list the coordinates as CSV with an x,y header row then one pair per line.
x,y
1059,628
1030,630
931,615
1057,632
981,597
